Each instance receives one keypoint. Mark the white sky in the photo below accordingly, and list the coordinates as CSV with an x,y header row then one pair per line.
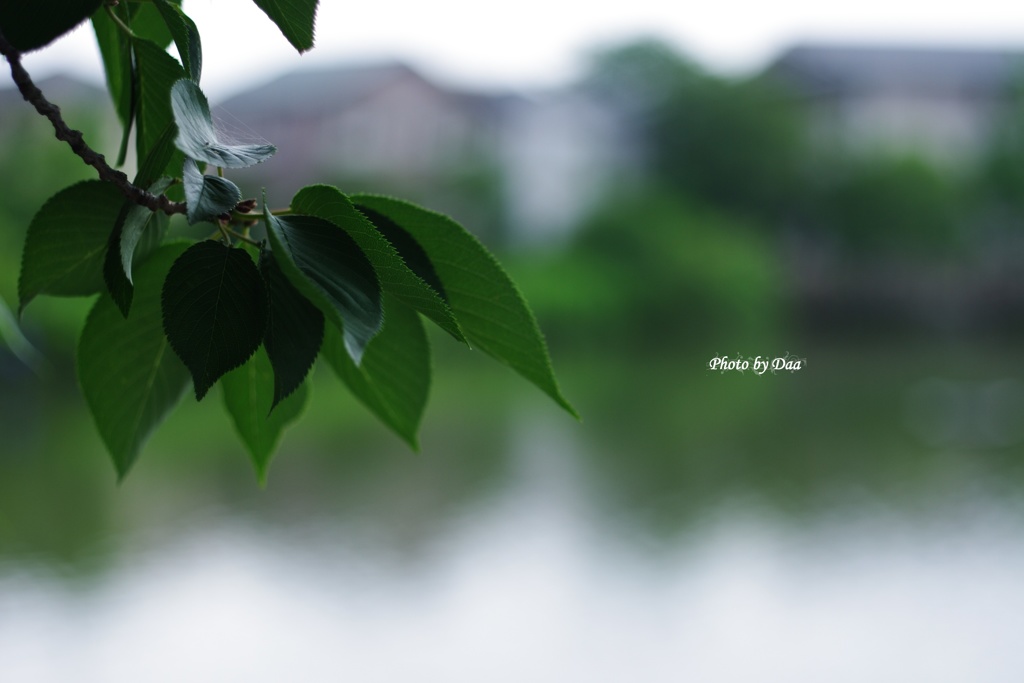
x,y
529,43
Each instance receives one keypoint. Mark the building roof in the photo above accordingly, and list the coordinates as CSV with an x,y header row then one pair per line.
x,y
317,90
825,69
335,88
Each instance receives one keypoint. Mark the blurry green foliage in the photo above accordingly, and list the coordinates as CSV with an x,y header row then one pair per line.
x,y
734,144
887,204
741,145
657,271
1000,176
738,144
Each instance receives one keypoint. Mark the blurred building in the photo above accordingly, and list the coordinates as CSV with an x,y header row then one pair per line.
x,y
942,104
374,120
532,164
916,183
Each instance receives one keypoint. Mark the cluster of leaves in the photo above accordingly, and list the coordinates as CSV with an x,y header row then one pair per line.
x,y
345,278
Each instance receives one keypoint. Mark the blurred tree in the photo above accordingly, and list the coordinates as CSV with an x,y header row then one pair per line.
x,y
662,274
738,145
901,205
999,182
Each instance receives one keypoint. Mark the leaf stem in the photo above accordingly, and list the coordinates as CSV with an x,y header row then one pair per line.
x,y
224,232
117,20
227,233
242,237
256,215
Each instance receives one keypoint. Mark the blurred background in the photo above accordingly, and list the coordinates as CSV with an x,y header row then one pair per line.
x,y
853,199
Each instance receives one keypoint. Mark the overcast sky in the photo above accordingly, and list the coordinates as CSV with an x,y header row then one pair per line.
x,y
531,43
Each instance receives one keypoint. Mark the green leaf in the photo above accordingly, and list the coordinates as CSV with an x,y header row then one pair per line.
x,y
396,277
408,248
295,18
186,37
157,72
393,380
124,245
488,305
248,396
295,329
119,59
28,26
215,310
136,222
65,244
133,223
329,269
163,158
116,51
129,376
119,67
147,23
207,197
197,137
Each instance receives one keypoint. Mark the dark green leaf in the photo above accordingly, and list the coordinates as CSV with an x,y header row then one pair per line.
x,y
197,137
295,18
215,310
295,329
163,159
138,240
489,307
396,278
408,248
393,380
138,219
133,223
329,269
120,288
186,37
29,26
152,237
157,72
248,395
130,377
207,197
119,67
66,241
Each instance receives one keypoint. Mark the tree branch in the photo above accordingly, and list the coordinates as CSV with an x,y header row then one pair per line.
x,y
74,138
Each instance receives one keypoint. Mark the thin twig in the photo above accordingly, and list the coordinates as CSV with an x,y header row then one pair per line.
x,y
74,138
